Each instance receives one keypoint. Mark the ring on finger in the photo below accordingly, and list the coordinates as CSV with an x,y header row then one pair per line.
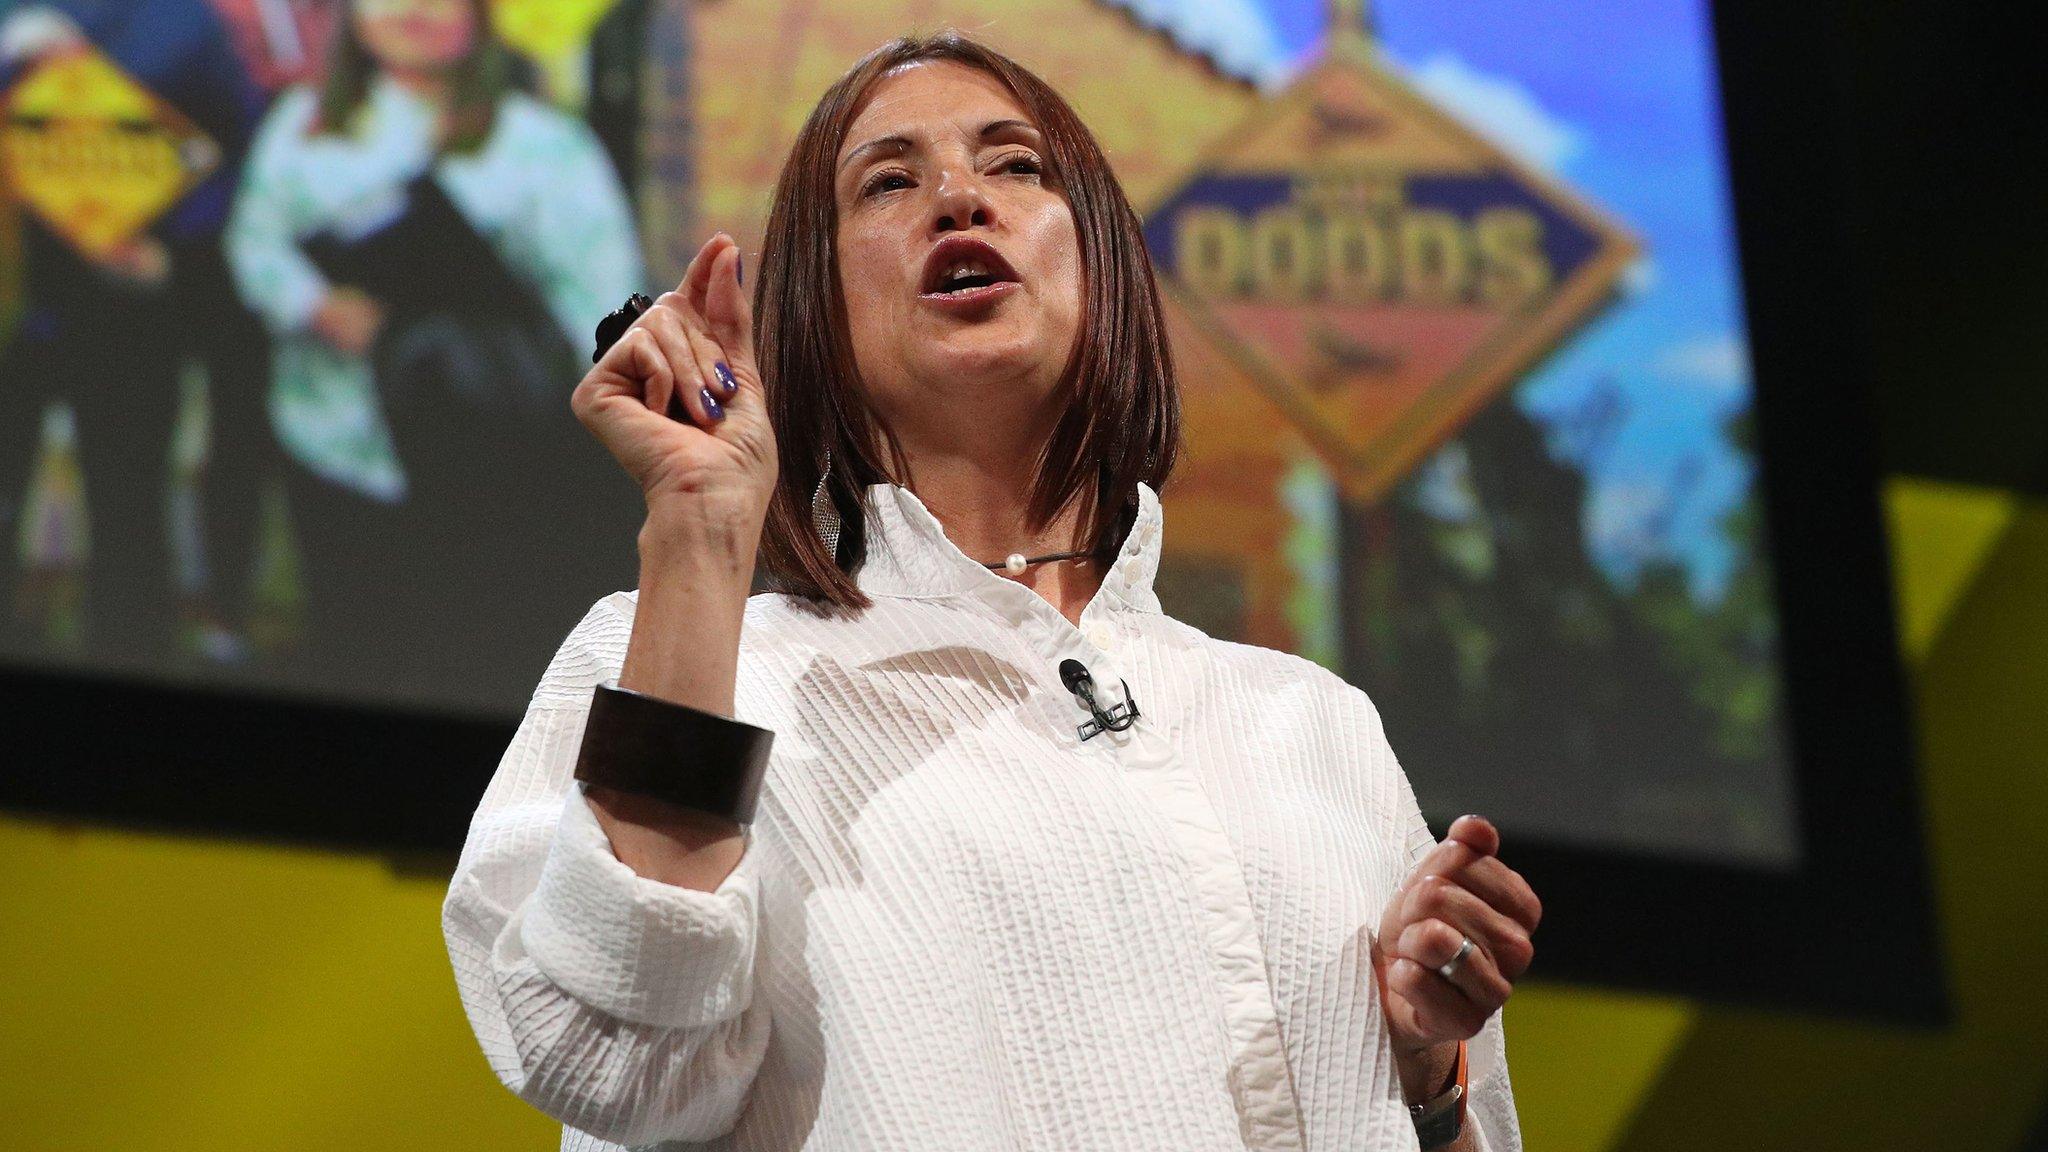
x,y
1449,968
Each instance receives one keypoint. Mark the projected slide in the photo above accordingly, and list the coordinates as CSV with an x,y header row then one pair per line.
x,y
287,339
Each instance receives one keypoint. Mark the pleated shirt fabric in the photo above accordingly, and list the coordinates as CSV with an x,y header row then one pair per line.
x,y
957,925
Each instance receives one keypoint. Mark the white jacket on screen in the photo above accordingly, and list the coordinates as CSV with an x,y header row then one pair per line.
x,y
956,925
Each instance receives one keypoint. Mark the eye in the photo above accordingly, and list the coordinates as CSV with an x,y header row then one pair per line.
x,y
888,180
1021,164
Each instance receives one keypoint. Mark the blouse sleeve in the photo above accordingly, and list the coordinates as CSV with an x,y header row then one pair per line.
x,y
580,237
261,239
619,1005
1490,1099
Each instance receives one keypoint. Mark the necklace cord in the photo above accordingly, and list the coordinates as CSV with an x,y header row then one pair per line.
x,y
1045,559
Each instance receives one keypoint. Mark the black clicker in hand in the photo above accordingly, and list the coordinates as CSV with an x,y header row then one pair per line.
x,y
614,325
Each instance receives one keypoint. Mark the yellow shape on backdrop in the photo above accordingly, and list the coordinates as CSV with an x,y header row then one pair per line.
x,y
1583,1060
1941,536
94,153
176,994
547,29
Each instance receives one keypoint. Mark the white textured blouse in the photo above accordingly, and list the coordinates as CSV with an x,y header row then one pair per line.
x,y
956,926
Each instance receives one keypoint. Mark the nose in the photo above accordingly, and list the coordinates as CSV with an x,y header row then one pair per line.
x,y
960,203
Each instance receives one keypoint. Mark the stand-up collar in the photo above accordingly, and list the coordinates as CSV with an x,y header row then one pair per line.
x,y
908,554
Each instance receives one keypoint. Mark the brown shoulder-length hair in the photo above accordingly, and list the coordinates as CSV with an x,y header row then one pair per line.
x,y
480,82
1122,421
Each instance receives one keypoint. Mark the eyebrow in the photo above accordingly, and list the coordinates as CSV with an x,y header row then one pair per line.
x,y
897,145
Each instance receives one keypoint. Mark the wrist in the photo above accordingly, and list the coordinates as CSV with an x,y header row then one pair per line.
x,y
1426,1072
691,607
700,544
1439,1118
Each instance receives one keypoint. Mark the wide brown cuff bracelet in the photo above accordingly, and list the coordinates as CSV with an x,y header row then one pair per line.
x,y
651,747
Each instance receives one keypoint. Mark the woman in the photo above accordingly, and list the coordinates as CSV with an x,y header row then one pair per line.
x,y
964,919
428,244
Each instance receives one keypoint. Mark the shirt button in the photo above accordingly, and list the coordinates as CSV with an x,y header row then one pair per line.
x,y
1102,636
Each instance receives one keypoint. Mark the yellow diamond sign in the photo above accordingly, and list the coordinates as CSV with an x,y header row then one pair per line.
x,y
94,153
1380,269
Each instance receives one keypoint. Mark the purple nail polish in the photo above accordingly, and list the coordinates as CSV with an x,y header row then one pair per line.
x,y
739,260
711,405
726,381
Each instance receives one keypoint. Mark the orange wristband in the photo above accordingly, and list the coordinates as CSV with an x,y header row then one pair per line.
x,y
1463,1091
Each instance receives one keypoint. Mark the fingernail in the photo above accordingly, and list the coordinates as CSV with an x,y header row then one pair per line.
x,y
739,261
725,378
711,406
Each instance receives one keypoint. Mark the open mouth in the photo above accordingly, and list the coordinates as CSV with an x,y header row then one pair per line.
x,y
961,268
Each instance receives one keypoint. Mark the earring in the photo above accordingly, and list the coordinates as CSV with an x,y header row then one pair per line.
x,y
825,513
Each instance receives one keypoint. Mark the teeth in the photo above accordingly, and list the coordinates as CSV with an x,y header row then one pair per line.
x,y
969,268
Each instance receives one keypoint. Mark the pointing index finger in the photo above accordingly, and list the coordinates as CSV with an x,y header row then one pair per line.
x,y
726,308
697,278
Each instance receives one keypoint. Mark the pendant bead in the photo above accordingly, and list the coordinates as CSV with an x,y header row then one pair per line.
x,y
1016,564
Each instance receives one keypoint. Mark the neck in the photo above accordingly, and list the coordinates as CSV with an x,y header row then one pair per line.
x,y
983,505
431,86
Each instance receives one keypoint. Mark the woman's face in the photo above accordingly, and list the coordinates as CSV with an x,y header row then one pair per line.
x,y
957,253
416,35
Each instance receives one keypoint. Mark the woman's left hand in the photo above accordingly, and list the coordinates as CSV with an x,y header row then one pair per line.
x,y
1459,891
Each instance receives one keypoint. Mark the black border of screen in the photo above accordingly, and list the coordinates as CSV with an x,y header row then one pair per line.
x,y
1850,931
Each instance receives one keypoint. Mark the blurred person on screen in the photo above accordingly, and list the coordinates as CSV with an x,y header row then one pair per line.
x,y
109,332
430,245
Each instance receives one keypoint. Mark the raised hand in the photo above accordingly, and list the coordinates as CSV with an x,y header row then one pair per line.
x,y
1460,891
696,345
707,479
